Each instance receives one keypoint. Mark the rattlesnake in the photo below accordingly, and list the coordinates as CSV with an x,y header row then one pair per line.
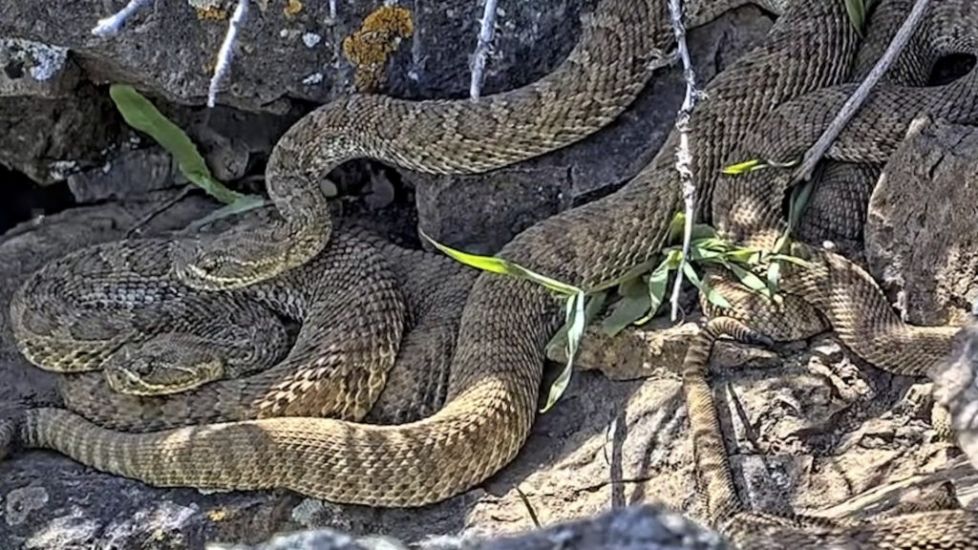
x,y
491,397
932,529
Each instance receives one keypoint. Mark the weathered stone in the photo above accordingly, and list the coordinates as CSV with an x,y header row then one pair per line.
x,y
168,48
130,174
922,231
48,138
29,68
956,387
633,527
482,212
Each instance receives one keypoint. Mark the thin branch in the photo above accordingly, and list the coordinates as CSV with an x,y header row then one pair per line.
x,y
482,48
225,54
684,157
110,26
856,100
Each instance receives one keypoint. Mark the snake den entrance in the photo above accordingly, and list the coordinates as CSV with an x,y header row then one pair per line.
x,y
332,271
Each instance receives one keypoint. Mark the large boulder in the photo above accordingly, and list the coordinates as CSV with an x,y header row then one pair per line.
x,y
922,228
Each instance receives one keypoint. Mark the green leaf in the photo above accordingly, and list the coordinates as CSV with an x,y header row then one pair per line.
x,y
749,256
857,14
244,204
658,281
698,254
142,115
748,279
673,258
574,319
712,295
774,275
676,227
500,266
800,195
632,306
744,167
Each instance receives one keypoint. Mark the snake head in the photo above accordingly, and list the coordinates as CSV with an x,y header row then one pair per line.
x,y
160,366
243,257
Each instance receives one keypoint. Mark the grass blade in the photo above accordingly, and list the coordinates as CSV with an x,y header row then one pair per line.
x,y
141,114
574,319
633,305
500,266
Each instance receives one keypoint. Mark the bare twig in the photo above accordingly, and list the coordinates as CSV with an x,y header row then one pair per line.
x,y
684,157
110,26
482,48
184,193
852,105
225,54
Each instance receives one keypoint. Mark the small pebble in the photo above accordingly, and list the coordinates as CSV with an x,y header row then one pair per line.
x,y
314,78
311,39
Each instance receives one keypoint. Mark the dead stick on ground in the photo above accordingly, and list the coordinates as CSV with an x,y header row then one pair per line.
x,y
684,157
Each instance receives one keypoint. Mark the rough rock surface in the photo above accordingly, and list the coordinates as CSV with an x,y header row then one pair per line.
x,y
51,121
289,55
956,385
294,49
922,231
631,528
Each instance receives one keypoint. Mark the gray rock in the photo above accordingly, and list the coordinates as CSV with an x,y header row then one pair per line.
x,y
634,527
34,69
956,387
168,47
130,174
922,231
49,138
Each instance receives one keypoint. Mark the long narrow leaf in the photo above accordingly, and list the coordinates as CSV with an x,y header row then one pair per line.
x,y
500,266
743,167
857,14
244,204
712,295
575,319
658,281
747,278
141,114
632,306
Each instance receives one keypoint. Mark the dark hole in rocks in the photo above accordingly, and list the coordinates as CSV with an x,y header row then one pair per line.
x,y
14,70
376,196
23,199
951,67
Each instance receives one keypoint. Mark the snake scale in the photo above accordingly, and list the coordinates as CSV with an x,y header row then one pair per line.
x,y
496,370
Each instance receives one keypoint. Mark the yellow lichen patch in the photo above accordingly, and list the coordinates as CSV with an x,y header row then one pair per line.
x,y
218,514
212,14
369,48
292,8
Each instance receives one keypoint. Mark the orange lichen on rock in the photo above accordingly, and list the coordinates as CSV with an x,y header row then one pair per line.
x,y
379,36
212,14
292,8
